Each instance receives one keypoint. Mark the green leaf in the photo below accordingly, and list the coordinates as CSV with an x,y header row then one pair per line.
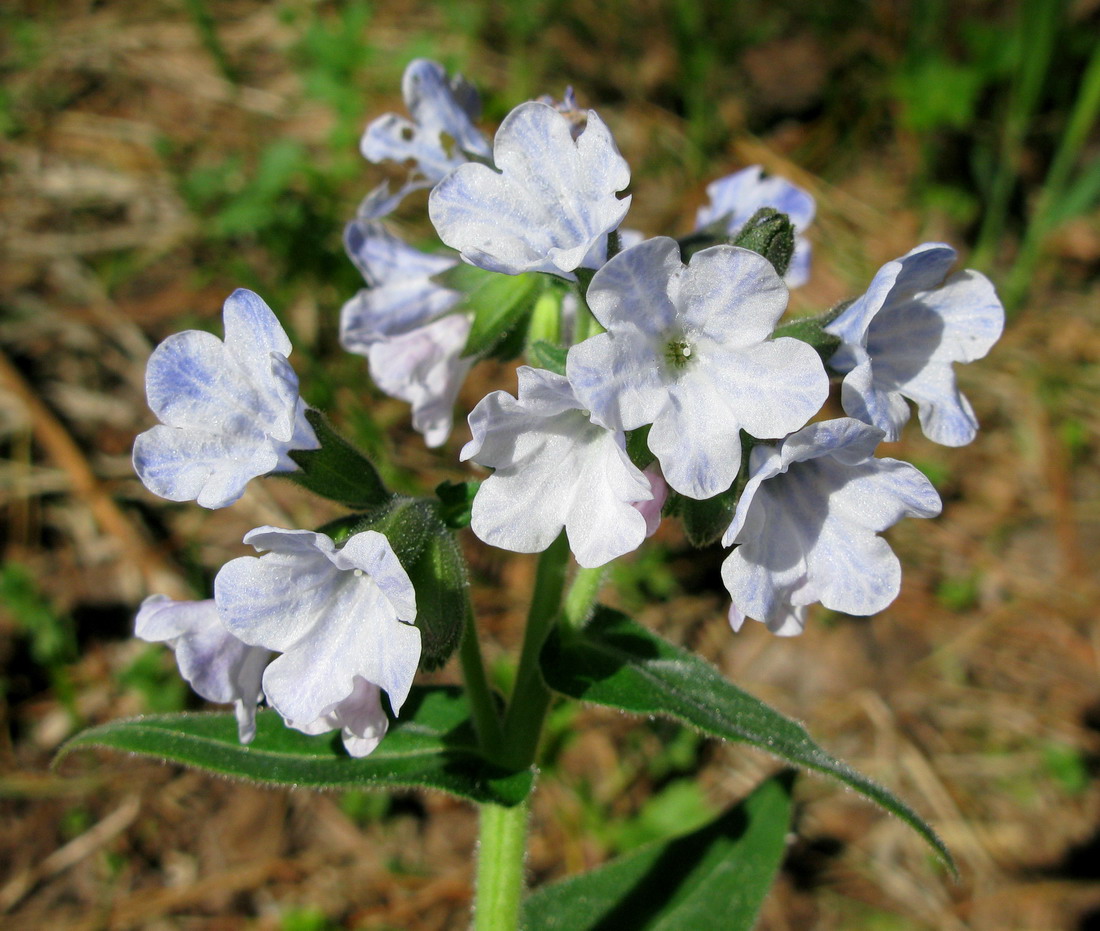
x,y
499,303
716,876
431,745
614,661
337,471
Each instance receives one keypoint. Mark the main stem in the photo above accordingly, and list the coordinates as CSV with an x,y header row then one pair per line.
x,y
500,860
503,830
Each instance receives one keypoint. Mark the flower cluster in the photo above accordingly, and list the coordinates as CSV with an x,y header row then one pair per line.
x,y
341,618
658,379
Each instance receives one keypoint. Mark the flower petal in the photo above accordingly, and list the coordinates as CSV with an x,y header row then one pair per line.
x,y
551,204
554,469
425,368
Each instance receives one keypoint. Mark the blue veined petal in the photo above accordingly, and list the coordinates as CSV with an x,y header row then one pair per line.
x,y
687,350
252,331
737,197
384,258
339,617
209,468
440,135
230,411
425,368
218,666
549,206
901,337
402,296
807,525
359,717
696,439
742,193
731,295
439,108
376,314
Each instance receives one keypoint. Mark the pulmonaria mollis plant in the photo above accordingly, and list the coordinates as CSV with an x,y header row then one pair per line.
x,y
659,381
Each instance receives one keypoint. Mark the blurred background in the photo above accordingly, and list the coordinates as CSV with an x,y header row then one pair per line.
x,y
155,155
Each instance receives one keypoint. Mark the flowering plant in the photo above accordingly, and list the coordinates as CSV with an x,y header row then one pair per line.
x,y
659,382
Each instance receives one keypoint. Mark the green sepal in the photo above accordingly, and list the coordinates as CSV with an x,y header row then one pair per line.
x,y
812,330
705,521
407,523
501,305
455,501
429,553
716,876
771,234
337,471
442,597
615,662
431,745
549,356
637,447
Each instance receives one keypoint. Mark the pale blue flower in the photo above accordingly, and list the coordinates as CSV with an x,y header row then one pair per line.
x,y
398,323
218,666
549,204
441,133
900,338
425,368
687,349
554,468
808,522
736,197
229,411
401,294
342,620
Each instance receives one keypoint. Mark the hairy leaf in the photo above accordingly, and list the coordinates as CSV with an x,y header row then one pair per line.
x,y
716,876
430,746
616,662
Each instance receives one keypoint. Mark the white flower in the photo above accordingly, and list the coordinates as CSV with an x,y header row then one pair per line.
x,y
807,525
219,667
687,350
426,368
735,198
342,619
229,411
554,468
400,296
899,341
548,207
415,352
441,133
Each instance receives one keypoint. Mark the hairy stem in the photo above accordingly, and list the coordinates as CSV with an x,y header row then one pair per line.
x,y
500,861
